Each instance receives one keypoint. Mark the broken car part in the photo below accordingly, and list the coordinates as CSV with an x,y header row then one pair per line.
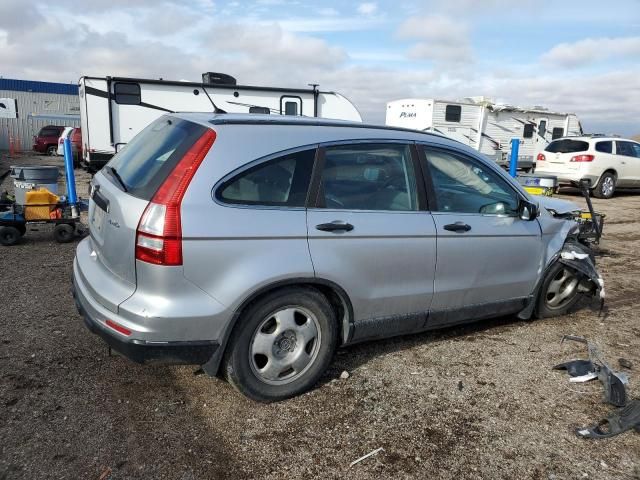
x,y
622,420
613,382
576,368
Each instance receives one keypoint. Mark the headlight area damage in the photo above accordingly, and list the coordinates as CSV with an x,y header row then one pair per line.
x,y
569,238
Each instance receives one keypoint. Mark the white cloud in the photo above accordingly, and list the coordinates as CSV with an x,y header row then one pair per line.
x,y
439,38
591,50
368,8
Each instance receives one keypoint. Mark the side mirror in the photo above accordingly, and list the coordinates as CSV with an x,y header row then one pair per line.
x,y
528,210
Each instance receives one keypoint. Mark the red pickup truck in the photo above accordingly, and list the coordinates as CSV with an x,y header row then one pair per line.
x,y
47,139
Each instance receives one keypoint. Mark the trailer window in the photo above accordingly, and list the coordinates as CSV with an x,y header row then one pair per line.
x,y
290,108
558,132
127,93
263,110
452,113
567,146
542,128
528,130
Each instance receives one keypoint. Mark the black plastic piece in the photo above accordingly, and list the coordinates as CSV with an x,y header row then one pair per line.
x,y
622,420
576,368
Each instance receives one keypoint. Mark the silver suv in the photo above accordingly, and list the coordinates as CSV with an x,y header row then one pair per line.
x,y
255,246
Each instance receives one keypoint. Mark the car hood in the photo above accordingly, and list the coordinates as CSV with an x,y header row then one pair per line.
x,y
555,205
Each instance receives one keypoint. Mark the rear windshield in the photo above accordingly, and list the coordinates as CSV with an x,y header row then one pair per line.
x,y
147,160
567,146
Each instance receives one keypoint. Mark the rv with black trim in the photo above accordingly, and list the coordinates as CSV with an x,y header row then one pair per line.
x,y
486,126
114,109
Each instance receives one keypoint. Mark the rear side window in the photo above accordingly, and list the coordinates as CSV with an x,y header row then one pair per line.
x,y
280,182
557,132
527,132
604,147
453,113
567,146
127,93
368,177
146,161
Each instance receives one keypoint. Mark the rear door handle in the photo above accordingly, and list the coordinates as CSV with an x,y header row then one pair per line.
x,y
458,227
335,226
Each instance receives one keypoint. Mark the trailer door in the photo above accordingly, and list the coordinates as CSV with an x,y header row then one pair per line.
x,y
290,105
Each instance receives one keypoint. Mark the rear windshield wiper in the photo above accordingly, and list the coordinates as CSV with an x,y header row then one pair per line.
x,y
117,176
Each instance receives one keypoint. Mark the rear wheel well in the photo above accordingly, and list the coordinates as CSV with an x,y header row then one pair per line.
x,y
610,170
336,297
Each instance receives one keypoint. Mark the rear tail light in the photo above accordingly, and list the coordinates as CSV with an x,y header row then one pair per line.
x,y
583,158
541,157
159,234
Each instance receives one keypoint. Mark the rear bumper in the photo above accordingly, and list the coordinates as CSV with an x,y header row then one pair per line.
x,y
140,351
569,177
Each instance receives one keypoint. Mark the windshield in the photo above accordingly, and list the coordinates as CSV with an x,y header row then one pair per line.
x,y
150,156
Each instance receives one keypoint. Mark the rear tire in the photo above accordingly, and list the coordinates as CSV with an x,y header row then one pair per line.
x,y
64,233
52,150
606,186
9,236
281,345
559,291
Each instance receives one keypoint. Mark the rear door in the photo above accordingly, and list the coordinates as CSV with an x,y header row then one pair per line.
x,y
369,233
558,154
488,259
121,191
628,163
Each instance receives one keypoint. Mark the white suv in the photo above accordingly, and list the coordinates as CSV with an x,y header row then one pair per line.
x,y
607,162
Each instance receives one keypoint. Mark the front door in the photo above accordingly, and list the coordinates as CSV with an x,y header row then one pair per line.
x,y
488,259
369,233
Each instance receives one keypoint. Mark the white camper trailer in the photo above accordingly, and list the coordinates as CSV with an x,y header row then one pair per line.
x,y
114,109
486,126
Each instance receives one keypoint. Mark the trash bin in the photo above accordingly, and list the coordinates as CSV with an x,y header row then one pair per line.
x,y
32,177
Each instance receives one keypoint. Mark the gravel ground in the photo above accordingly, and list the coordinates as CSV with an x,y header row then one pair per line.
x,y
473,402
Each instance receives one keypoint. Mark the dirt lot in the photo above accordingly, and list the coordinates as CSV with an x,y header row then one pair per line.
x,y
473,402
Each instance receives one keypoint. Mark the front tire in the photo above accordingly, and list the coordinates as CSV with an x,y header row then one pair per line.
x,y
282,345
559,291
606,186
64,233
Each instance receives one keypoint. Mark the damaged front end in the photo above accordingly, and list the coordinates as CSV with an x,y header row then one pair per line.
x,y
568,240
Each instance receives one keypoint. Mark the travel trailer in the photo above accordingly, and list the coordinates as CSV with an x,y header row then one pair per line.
x,y
486,126
114,109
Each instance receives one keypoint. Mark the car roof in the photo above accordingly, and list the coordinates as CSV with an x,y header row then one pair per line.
x,y
596,138
209,119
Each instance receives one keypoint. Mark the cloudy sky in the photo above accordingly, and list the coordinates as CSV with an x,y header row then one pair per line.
x,y
579,56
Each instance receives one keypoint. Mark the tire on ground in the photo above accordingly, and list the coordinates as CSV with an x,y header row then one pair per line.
x,y
64,233
9,236
236,363
604,180
543,308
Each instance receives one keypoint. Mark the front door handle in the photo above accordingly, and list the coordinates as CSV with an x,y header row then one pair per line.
x,y
335,226
459,227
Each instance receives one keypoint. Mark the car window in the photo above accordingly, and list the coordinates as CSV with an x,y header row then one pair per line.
x,y
50,132
636,149
625,148
604,147
567,146
368,177
464,185
283,181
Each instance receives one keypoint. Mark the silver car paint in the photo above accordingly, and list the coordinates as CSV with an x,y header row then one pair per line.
x,y
231,252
